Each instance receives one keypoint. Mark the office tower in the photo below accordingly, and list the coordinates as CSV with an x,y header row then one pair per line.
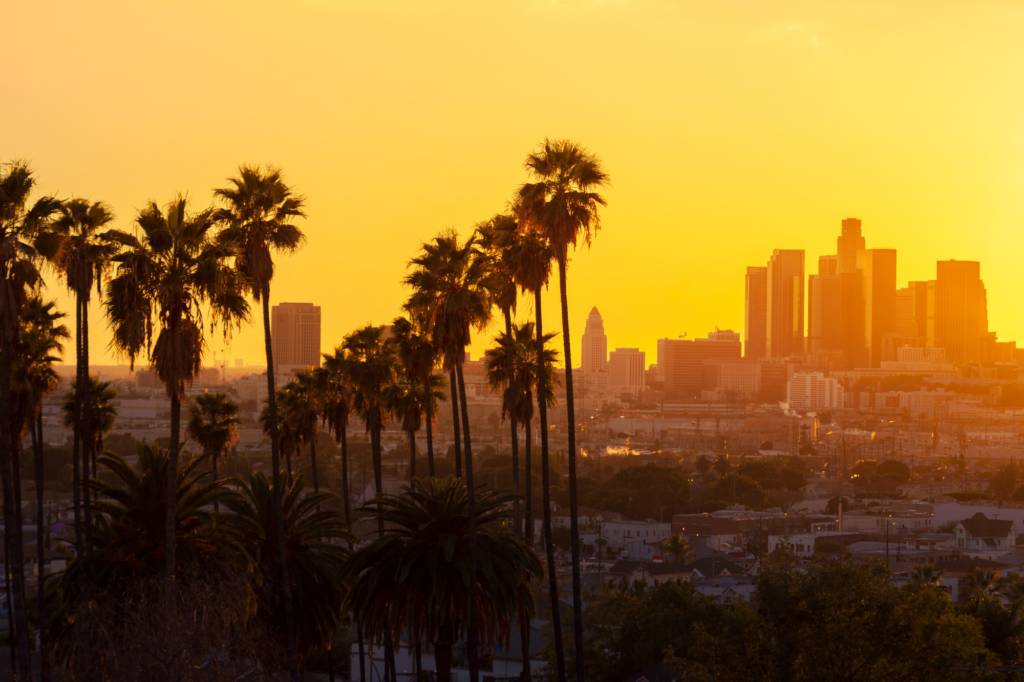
x,y
828,265
931,341
295,336
682,361
756,314
906,319
825,312
785,306
960,319
627,369
878,279
848,244
594,355
813,391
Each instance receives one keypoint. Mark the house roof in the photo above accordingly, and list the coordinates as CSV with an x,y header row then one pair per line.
x,y
965,564
980,526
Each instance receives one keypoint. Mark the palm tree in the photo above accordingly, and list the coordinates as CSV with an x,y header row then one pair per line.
x,y
95,406
314,551
414,577
418,357
40,345
452,292
926,575
287,433
980,582
531,261
213,424
170,271
497,237
20,223
259,212
305,411
336,408
76,244
130,539
563,203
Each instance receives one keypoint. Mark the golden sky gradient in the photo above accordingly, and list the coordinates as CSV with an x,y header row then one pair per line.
x,y
729,128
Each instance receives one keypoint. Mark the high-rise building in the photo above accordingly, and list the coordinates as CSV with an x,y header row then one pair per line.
x,y
848,244
594,354
785,303
682,361
295,336
960,315
756,314
627,369
828,265
878,280
813,391
825,312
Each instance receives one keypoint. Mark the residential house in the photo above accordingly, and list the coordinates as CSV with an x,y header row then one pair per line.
x,y
982,534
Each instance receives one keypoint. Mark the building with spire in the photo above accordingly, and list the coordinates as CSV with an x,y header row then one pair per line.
x,y
594,354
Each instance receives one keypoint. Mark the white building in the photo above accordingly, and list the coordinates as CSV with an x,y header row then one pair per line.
x,y
642,539
627,370
813,391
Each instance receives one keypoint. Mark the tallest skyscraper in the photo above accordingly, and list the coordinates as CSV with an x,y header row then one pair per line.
x,y
849,242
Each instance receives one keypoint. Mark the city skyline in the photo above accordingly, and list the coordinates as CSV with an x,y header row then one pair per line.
x,y
914,132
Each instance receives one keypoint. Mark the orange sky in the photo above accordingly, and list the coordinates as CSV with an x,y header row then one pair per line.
x,y
729,128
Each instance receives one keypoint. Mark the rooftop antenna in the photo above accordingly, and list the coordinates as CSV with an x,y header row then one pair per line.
x,y
683,335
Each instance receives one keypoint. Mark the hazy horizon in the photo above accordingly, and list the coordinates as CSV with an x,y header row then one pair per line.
x,y
728,131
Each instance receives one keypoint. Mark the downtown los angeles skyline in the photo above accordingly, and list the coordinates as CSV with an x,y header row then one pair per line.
x,y
727,133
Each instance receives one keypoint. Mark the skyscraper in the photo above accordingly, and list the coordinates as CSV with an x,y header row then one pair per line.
x,y
627,370
683,361
825,312
756,314
594,355
848,244
878,279
960,318
295,336
785,303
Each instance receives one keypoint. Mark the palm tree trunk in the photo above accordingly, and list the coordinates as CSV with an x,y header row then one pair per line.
x,y
510,351
330,663
12,634
428,391
472,632
344,475
275,465
216,504
15,561
362,659
312,461
542,408
170,518
574,516
37,447
524,636
76,461
412,454
455,424
528,482
443,652
288,464
88,446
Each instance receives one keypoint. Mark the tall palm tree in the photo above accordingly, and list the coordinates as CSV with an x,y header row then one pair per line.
x,y
315,554
306,414
20,223
76,244
453,288
525,372
563,203
531,259
415,578
497,238
259,210
170,271
40,345
96,406
213,424
419,357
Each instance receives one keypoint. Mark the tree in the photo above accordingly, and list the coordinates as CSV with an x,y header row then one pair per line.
x,y
739,489
702,464
419,357
1004,482
77,245
20,223
453,289
893,469
170,272
421,575
95,406
315,542
213,424
259,213
40,344
563,203
678,547
336,407
925,575
721,465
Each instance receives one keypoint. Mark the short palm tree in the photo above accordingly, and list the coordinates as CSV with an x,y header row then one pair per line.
x,y
20,223
288,437
410,403
96,406
40,345
453,289
563,203
305,413
419,357
415,577
213,424
259,213
315,545
678,547
336,408
170,271
926,575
